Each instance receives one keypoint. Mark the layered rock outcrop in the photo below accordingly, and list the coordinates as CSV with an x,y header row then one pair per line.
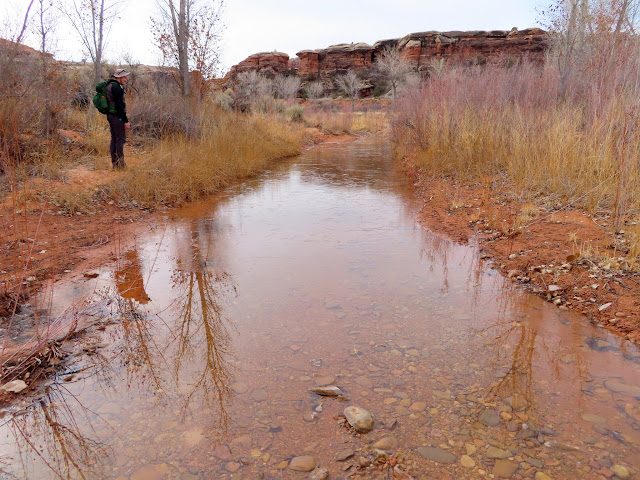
x,y
420,49
269,63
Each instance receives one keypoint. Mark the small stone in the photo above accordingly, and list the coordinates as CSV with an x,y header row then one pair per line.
x,y
418,407
259,395
554,288
619,387
343,455
495,452
467,462
470,448
489,418
436,454
319,474
327,391
542,476
386,443
304,463
282,465
534,462
593,418
232,467
633,411
621,472
240,388
359,419
504,468
222,452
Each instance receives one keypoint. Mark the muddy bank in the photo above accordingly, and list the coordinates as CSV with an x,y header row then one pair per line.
x,y
564,255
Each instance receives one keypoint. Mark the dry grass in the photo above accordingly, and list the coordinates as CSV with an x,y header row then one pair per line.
x,y
230,147
338,118
502,121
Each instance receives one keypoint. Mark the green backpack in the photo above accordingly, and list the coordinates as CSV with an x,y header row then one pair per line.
x,y
100,98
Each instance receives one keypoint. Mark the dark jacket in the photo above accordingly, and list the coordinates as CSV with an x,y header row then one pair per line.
x,y
115,97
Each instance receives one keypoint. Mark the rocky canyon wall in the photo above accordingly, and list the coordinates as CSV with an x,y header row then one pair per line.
x,y
420,50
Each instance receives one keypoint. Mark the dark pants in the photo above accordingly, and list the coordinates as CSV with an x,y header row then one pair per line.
x,y
118,139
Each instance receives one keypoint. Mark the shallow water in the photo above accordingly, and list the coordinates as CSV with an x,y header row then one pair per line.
x,y
226,314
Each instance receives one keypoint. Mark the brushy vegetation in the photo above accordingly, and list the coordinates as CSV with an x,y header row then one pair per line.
x,y
181,168
513,121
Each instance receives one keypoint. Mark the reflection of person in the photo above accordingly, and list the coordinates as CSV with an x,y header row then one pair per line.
x,y
118,122
129,280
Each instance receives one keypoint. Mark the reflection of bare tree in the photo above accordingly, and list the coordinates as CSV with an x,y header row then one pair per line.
x,y
202,326
139,350
517,347
49,431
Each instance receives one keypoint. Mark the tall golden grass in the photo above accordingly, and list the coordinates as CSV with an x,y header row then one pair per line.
x,y
510,121
229,147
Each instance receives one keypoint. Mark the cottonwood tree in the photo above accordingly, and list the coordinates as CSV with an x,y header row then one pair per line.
x,y
314,90
92,21
393,66
286,86
188,34
590,36
250,86
350,84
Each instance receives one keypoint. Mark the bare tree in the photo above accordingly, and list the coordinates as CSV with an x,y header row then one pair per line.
x,y
393,66
314,90
92,21
286,86
350,84
589,35
188,32
46,17
15,26
249,87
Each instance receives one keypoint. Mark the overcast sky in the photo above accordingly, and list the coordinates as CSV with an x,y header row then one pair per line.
x,y
290,26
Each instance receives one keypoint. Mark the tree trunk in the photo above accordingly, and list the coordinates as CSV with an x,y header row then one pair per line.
x,y
183,46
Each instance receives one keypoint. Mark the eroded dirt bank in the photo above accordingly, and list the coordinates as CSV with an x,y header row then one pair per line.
x,y
563,255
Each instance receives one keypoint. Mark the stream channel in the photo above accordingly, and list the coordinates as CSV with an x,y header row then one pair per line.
x,y
225,315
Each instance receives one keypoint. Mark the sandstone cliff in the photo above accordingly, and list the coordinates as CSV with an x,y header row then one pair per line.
x,y
420,49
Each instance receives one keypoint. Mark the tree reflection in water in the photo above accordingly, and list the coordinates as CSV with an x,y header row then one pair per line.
x,y
519,351
200,334
49,433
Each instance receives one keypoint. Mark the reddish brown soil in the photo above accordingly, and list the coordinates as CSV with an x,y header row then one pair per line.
x,y
565,250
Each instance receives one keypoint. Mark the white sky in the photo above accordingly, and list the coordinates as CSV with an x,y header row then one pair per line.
x,y
292,25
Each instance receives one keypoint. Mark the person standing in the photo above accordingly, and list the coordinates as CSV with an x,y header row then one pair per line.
x,y
118,121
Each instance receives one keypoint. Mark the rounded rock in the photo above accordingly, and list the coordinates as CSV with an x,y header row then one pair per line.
x,y
319,474
621,472
359,419
304,463
467,462
386,443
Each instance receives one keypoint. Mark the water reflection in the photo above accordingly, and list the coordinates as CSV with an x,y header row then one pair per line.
x,y
48,432
200,331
